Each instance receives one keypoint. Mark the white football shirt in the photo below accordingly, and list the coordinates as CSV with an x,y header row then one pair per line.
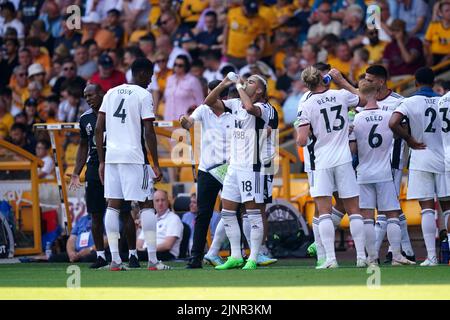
x,y
425,125
245,153
125,107
327,115
215,136
444,106
374,140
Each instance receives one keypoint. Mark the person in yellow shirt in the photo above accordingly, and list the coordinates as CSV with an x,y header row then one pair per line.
x,y
36,72
191,10
19,85
437,37
343,58
375,46
359,64
244,26
6,119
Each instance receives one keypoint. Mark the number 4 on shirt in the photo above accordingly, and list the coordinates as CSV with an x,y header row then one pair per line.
x,y
120,114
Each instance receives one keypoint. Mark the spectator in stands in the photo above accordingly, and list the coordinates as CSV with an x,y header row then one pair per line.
x,y
290,105
415,13
213,65
8,13
243,27
37,30
85,67
6,119
69,76
252,58
359,64
36,72
113,25
354,26
107,76
8,61
74,106
50,109
303,17
183,90
92,29
293,70
165,45
374,45
6,95
42,152
325,24
343,58
190,11
29,11
309,55
180,35
147,44
404,55
386,20
169,230
102,7
38,54
328,44
159,82
135,13
219,7
19,85
209,39
31,107
68,39
18,135
54,22
25,58
437,37
131,54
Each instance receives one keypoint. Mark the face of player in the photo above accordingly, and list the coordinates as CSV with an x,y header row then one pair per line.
x,y
93,98
252,86
380,83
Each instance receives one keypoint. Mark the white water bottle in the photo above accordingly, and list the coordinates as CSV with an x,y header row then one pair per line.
x,y
232,76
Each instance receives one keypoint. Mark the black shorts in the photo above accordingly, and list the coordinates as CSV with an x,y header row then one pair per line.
x,y
95,198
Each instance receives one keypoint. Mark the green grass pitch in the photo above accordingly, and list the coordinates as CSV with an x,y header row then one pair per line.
x,y
288,279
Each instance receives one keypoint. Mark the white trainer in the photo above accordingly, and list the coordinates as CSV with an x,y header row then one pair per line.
x,y
401,261
429,262
157,266
330,264
361,263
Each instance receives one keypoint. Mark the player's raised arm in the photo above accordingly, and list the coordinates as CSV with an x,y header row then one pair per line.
x,y
214,95
99,129
339,79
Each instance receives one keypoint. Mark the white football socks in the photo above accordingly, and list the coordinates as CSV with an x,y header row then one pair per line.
x,y
380,232
369,231
394,235
405,242
317,240
233,232
327,234
247,229
113,233
336,216
357,231
218,239
429,232
148,222
256,232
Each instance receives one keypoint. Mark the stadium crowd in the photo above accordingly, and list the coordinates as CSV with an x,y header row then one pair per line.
x,y
46,63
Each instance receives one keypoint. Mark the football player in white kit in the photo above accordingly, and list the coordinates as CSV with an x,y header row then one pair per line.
x,y
127,114
324,120
387,100
244,182
338,210
427,176
371,140
444,106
